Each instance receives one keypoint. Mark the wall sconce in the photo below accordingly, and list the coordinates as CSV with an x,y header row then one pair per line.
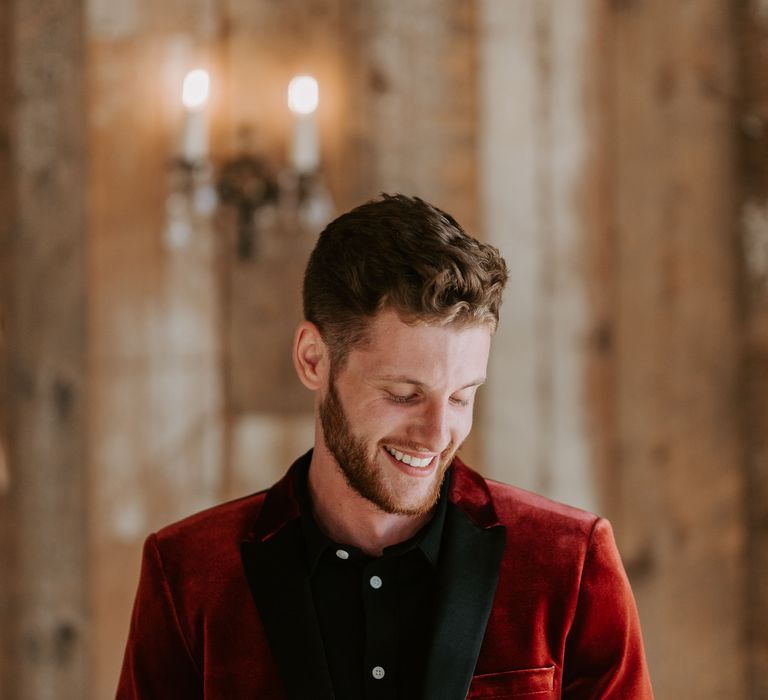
x,y
247,183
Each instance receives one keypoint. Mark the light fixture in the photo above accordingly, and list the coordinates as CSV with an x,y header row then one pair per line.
x,y
247,182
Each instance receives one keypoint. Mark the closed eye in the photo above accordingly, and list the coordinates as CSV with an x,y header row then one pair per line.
x,y
399,398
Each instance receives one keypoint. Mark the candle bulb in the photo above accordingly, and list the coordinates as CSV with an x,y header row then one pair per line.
x,y
303,98
194,96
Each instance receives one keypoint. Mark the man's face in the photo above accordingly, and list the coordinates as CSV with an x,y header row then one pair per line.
x,y
396,413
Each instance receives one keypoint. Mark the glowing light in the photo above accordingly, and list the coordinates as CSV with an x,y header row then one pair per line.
x,y
303,94
197,86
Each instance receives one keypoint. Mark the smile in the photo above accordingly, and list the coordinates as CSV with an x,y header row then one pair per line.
x,y
408,459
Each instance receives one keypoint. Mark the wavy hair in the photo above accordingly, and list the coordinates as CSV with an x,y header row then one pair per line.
x,y
402,254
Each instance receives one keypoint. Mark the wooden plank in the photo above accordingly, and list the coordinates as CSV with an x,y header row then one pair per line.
x,y
45,509
7,214
421,98
155,399
534,140
752,115
678,493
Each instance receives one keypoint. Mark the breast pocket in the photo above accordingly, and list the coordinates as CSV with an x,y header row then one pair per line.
x,y
537,682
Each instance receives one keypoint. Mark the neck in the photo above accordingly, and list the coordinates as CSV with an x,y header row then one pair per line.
x,y
346,517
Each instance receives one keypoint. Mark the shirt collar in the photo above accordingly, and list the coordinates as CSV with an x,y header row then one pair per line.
x,y
427,539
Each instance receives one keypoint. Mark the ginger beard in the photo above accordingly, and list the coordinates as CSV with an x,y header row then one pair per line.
x,y
362,473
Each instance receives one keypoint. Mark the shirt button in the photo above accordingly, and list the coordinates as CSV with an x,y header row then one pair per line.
x,y
342,554
378,672
375,582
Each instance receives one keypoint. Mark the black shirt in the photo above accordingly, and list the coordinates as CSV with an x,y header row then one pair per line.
x,y
374,613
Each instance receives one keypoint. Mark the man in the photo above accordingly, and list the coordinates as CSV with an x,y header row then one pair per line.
x,y
381,566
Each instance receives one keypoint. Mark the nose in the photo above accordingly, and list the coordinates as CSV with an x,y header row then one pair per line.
x,y
433,430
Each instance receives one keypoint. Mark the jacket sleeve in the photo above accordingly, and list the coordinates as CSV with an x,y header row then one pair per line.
x,y
158,662
604,655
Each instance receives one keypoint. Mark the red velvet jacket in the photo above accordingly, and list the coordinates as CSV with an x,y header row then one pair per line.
x,y
533,602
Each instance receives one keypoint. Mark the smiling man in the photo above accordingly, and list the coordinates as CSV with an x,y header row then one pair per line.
x,y
381,566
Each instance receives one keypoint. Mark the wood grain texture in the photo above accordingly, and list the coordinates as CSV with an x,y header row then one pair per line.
x,y
47,614
677,493
7,216
752,139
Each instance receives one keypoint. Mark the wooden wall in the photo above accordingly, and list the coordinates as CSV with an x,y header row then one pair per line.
x,y
43,502
610,180
156,440
677,494
7,207
752,218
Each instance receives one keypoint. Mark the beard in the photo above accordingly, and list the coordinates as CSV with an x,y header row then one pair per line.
x,y
361,472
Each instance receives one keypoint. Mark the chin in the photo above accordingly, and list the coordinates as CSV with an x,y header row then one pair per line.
x,y
413,504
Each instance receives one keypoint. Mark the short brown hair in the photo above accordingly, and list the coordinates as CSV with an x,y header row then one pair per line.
x,y
403,254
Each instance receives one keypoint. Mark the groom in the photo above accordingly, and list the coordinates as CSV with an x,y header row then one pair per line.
x,y
381,566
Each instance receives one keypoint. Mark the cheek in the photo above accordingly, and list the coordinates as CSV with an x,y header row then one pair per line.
x,y
463,423
377,420
387,420
465,426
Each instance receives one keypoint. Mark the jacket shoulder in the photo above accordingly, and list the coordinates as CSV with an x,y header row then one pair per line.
x,y
238,512
215,532
208,543
523,513
512,503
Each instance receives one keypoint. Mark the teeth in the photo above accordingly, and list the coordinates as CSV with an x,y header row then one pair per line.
x,y
408,459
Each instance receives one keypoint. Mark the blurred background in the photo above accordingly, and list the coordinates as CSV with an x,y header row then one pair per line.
x,y
159,197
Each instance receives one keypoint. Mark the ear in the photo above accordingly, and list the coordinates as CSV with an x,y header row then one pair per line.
x,y
310,356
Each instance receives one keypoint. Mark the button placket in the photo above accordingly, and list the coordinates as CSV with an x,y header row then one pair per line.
x,y
380,628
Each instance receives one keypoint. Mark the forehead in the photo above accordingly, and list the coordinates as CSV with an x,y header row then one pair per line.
x,y
426,353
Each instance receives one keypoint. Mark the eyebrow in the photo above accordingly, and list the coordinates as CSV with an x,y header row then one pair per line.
x,y
400,379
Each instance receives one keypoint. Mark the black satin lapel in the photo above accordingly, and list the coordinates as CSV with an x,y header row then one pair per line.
x,y
468,573
280,587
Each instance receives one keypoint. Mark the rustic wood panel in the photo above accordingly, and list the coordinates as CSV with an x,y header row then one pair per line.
x,y
421,100
678,498
7,214
609,176
155,452
45,520
534,145
752,133
156,416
